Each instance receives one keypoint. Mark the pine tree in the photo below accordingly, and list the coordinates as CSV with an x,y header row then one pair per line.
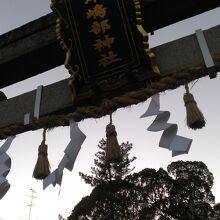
x,y
104,172
182,192
112,194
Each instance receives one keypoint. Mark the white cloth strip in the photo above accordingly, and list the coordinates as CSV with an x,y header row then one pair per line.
x,y
5,166
169,140
77,137
206,53
38,102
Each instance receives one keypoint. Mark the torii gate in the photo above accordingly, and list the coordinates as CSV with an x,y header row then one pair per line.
x,y
30,49
33,49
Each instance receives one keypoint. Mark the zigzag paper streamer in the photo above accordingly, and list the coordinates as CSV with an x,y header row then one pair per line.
x,y
5,166
77,138
169,140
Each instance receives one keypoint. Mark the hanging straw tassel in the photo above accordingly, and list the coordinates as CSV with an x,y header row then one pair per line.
x,y
113,150
194,116
42,167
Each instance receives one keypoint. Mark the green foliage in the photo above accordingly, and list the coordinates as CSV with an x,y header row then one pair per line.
x,y
107,201
183,192
154,187
105,172
191,193
60,217
215,213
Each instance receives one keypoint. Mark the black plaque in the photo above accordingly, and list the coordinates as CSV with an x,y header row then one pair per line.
x,y
105,40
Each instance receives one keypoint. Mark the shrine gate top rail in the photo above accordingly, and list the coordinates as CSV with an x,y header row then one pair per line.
x,y
28,50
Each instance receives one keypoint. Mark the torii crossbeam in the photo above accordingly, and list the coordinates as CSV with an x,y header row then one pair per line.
x,y
56,99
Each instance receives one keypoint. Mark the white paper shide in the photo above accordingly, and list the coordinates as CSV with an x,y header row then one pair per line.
x,y
169,139
77,138
5,166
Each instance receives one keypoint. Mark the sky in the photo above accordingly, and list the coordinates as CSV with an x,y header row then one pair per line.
x,y
23,151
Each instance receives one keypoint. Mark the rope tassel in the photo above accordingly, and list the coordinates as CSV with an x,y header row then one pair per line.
x,y
42,167
113,150
194,116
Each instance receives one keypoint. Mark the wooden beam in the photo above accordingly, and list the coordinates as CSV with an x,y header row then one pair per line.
x,y
161,13
33,49
176,57
29,50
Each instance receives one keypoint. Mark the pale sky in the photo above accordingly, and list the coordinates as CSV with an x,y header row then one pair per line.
x,y
23,152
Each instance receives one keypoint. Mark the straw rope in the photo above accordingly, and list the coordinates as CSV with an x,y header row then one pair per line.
x,y
168,82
